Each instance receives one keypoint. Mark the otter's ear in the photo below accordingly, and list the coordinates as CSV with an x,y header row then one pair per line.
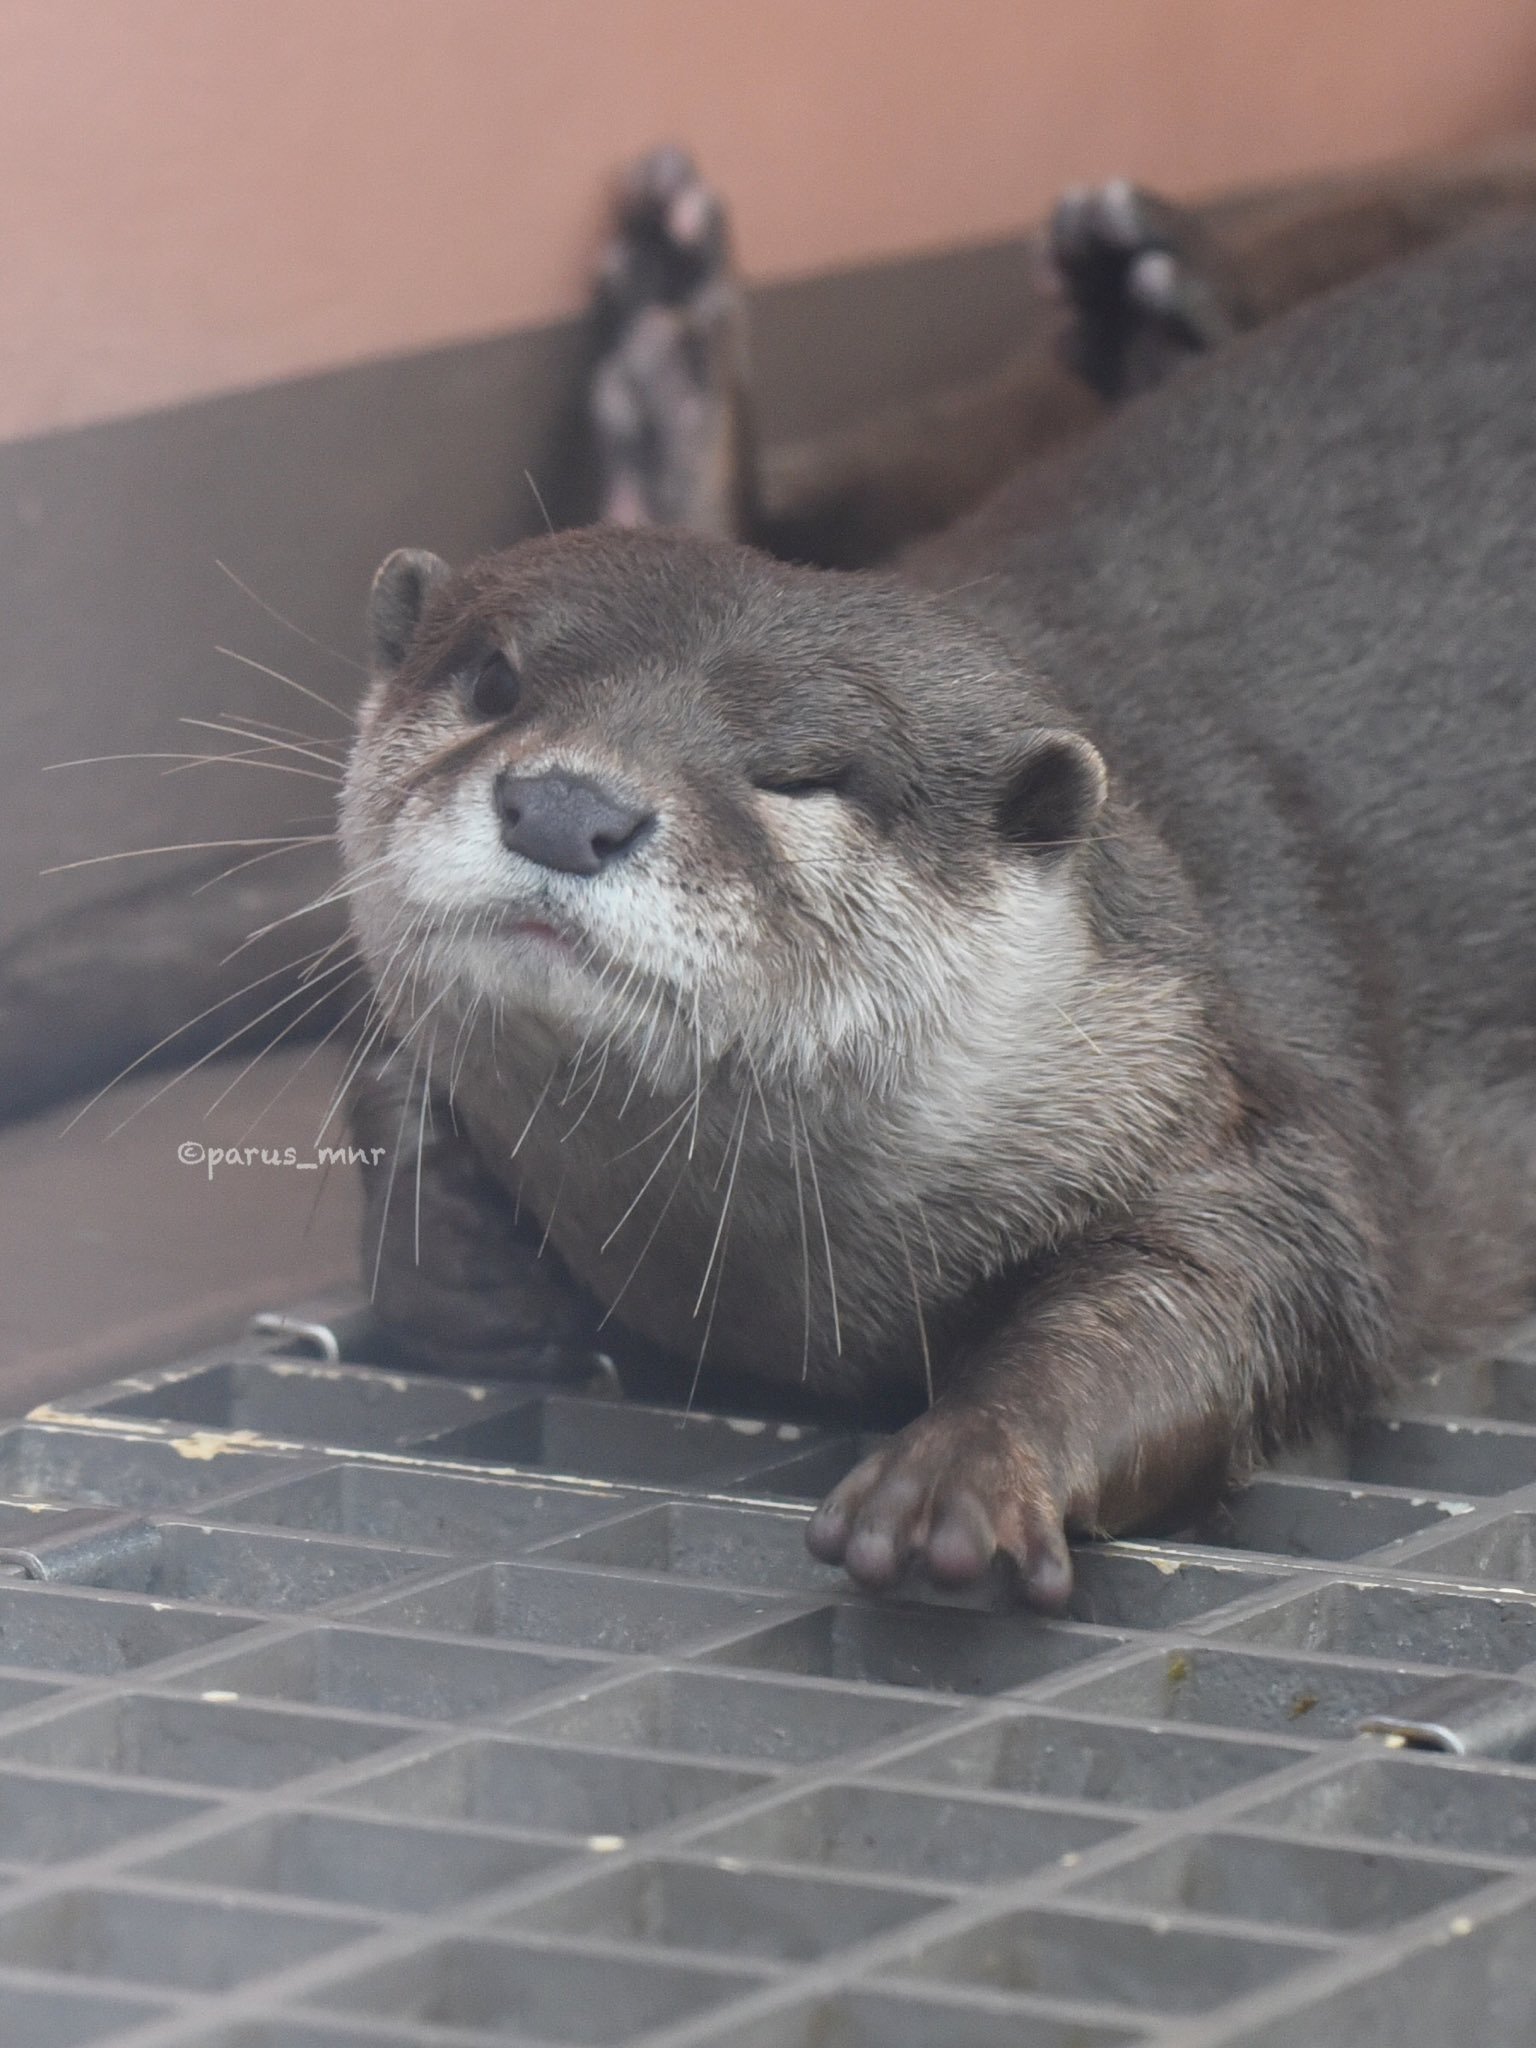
x,y
402,584
1053,792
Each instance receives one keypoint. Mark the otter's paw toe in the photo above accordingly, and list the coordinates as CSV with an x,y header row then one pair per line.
x,y
1127,263
946,1500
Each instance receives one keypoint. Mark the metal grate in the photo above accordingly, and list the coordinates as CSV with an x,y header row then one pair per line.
x,y
340,1709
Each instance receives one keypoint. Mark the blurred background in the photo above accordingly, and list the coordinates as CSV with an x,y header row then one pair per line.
x,y
287,285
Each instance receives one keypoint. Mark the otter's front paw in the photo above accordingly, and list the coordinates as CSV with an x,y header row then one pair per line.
x,y
1144,295
951,1494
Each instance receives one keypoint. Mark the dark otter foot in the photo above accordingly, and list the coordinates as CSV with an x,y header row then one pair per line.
x,y
456,1280
1143,293
952,1493
667,400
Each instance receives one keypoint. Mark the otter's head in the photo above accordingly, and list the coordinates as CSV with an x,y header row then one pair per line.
x,y
674,791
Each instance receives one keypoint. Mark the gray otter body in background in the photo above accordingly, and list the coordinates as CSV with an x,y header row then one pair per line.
x,y
1081,989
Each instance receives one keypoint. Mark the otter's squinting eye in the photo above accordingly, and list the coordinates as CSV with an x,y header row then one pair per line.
x,y
491,689
832,782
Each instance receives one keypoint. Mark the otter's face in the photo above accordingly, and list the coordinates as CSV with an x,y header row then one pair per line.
x,y
671,791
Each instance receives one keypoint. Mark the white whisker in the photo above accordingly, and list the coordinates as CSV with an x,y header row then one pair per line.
x,y
241,757
389,1183
826,1237
97,860
917,1303
340,967
644,1186
538,499
326,995
273,613
170,1037
302,1065
738,1135
236,732
293,732
421,1140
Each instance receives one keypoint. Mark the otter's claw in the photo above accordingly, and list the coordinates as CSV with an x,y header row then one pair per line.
x,y
951,1495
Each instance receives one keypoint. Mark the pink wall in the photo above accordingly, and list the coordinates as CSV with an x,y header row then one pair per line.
x,y
204,194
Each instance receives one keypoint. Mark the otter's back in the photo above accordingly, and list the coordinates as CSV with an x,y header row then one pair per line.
x,y
1294,597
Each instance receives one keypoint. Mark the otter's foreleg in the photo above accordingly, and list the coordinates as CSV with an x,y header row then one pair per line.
x,y
1242,1305
457,1280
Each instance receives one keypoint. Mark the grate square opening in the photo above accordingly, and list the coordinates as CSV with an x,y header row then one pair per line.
x,y
564,1791
1294,1884
1503,1389
1423,1802
18,1693
1057,1756
1319,1518
241,1568
55,1820
872,2019
1442,1457
1275,1695
1119,1589
924,1836
78,1467
550,1994
937,1649
743,1915
806,1476
62,2017
697,1540
367,1671
1501,1553
1470,1631
137,1937
47,1628
570,1609
1474,1985
195,1742
424,1511
346,1860
1144,1966
299,1403
585,1439
707,1713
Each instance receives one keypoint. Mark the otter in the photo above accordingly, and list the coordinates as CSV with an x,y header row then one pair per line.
x,y
1077,990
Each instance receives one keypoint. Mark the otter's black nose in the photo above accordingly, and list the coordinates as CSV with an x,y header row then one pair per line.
x,y
568,823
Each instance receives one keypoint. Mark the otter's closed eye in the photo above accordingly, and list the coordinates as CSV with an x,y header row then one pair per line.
x,y
490,688
826,782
